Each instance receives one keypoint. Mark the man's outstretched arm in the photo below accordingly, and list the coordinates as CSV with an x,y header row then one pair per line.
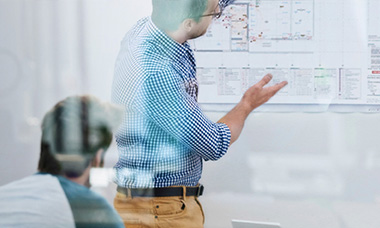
x,y
254,97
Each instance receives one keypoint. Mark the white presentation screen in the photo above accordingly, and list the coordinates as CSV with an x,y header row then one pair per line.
x,y
328,51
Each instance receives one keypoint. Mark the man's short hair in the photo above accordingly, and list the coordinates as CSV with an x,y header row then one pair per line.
x,y
72,133
169,14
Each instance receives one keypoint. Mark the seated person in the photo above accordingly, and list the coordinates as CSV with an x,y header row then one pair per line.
x,y
75,135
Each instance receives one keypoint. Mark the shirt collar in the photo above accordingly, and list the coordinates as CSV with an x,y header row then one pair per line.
x,y
173,48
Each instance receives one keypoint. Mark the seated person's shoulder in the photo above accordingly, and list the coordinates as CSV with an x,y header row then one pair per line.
x,y
89,208
44,200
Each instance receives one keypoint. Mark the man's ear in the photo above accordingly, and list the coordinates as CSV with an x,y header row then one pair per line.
x,y
98,158
188,24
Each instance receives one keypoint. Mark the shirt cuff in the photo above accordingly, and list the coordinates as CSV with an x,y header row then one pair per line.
x,y
226,136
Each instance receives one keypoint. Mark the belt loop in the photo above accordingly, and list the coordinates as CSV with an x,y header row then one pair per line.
x,y
199,190
184,193
129,193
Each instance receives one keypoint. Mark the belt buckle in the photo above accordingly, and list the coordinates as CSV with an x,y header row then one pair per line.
x,y
200,190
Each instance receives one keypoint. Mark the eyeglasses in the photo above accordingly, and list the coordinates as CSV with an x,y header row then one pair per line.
x,y
218,12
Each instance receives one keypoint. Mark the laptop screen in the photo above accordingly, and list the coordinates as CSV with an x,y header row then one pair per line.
x,y
254,224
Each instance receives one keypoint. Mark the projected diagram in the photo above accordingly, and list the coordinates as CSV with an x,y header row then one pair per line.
x,y
246,25
327,50
374,51
306,85
281,20
229,33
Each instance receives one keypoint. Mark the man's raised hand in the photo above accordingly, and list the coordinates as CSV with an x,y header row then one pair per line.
x,y
258,94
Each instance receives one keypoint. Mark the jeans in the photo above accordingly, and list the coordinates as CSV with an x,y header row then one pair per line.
x,y
159,212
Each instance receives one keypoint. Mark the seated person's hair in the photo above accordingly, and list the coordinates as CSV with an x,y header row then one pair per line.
x,y
73,132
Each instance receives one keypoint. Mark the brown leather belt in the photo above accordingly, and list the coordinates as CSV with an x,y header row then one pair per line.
x,y
161,192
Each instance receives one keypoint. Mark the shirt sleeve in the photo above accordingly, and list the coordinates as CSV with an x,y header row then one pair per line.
x,y
225,3
164,99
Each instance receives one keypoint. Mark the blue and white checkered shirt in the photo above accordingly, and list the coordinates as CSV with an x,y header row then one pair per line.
x,y
165,134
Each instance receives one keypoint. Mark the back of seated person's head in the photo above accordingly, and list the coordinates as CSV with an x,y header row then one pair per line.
x,y
73,132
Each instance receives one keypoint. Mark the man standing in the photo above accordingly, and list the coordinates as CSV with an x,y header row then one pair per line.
x,y
75,135
165,136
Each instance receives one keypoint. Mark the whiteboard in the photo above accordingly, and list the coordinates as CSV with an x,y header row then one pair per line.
x,y
328,51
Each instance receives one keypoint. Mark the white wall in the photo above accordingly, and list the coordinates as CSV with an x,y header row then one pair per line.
x,y
304,170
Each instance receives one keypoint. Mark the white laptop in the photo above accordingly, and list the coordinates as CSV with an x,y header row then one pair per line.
x,y
253,224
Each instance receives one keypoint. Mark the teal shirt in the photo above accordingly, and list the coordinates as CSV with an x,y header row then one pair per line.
x,y
89,208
